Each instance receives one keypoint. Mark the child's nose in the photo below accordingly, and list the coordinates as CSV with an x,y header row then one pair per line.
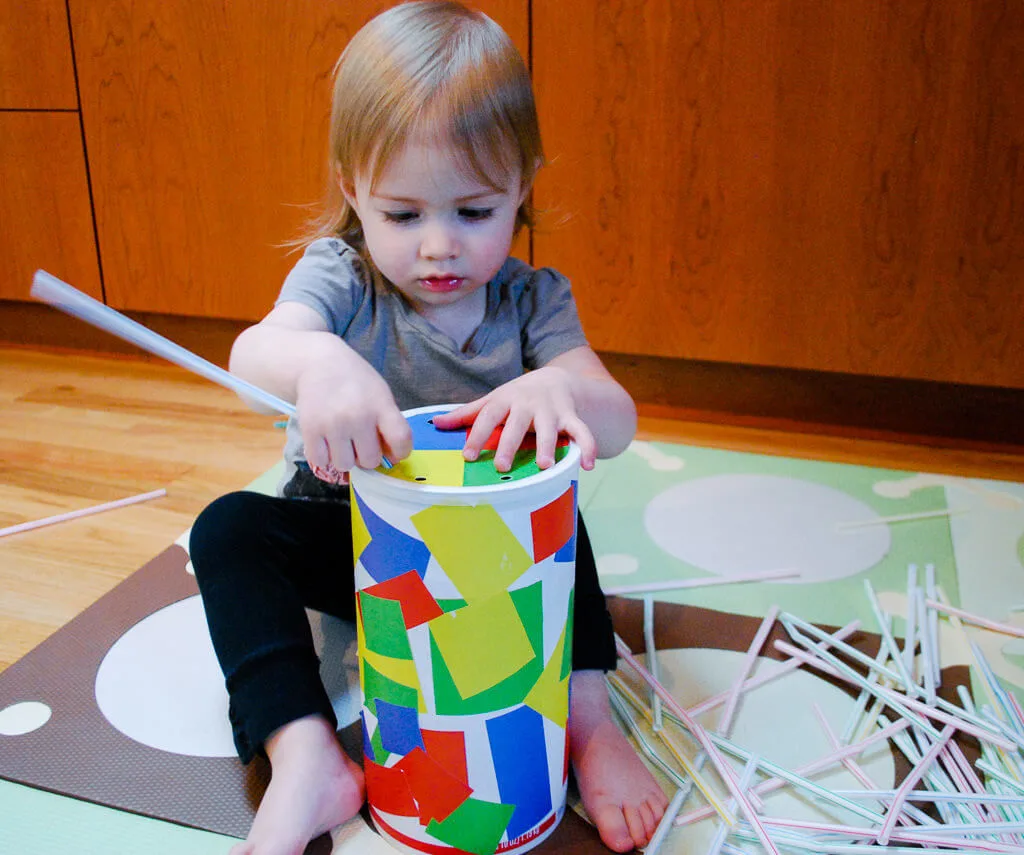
x,y
439,242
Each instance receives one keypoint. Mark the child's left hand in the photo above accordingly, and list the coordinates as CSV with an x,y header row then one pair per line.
x,y
541,400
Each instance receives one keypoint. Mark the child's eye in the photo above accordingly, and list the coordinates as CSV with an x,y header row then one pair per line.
x,y
476,214
399,216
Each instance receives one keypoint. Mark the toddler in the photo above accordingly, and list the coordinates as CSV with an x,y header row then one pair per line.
x,y
406,296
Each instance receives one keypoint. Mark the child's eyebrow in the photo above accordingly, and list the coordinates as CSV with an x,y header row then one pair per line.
x,y
461,200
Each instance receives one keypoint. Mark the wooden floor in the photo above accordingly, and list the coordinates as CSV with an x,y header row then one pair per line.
x,y
78,430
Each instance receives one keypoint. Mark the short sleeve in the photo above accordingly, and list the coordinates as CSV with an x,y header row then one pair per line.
x,y
329,279
550,323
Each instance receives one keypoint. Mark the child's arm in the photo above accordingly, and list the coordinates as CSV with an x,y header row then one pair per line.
x,y
573,394
346,411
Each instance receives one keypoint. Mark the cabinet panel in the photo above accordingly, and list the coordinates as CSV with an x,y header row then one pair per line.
x,y
206,127
36,68
45,219
831,186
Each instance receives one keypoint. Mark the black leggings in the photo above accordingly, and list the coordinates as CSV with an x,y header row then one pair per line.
x,y
260,561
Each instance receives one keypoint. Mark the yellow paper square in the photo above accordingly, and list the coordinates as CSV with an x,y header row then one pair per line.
x,y
482,643
474,547
437,468
550,694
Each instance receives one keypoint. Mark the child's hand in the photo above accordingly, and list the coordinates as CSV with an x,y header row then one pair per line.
x,y
349,418
541,400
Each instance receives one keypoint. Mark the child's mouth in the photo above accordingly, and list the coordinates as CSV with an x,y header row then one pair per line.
x,y
442,284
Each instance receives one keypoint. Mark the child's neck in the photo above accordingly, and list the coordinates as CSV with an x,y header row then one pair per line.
x,y
458,320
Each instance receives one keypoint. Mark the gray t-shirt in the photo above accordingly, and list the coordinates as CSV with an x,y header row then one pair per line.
x,y
530,319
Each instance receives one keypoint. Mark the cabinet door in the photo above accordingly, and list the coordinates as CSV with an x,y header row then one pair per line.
x,y
832,186
45,219
36,69
206,126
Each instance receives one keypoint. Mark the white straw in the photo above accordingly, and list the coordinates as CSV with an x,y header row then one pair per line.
x,y
923,515
70,515
670,585
62,296
725,722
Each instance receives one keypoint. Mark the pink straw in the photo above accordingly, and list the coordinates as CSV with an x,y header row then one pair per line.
x,y
725,724
71,515
896,806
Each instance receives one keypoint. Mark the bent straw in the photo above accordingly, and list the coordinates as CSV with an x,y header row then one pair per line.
x,y
57,293
70,515
786,667
896,806
652,659
702,736
665,825
725,723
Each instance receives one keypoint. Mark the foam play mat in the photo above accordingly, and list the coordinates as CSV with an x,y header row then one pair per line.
x,y
114,734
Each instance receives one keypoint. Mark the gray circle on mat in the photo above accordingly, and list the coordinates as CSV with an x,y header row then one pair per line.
x,y
735,525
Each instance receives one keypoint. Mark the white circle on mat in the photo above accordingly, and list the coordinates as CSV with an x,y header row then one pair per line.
x,y
735,525
617,564
24,717
160,684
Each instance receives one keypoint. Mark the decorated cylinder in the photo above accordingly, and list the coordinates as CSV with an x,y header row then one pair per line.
x,y
464,588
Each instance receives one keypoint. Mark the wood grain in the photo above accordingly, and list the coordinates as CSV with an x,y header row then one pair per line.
x,y
36,66
80,429
207,129
830,186
45,216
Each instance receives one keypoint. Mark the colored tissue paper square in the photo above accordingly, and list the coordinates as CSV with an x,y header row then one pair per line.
x,y
447,748
521,765
512,690
436,792
367,742
550,694
390,552
482,644
360,534
418,606
376,687
436,468
553,525
567,552
474,547
384,626
387,789
399,727
427,437
474,826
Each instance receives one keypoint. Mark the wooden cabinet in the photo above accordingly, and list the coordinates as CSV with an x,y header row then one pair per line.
x,y
832,186
45,216
36,67
207,127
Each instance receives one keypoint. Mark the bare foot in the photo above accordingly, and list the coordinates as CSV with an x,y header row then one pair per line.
x,y
619,794
314,786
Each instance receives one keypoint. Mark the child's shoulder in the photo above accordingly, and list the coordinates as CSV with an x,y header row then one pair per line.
x,y
519,279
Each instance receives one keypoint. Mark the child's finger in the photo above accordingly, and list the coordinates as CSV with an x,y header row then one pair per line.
x,y
483,426
459,417
547,439
512,435
585,441
395,436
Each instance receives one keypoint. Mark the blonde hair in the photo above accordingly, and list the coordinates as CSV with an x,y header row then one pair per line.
x,y
436,69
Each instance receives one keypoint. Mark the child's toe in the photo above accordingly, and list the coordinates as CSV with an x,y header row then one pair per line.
x,y
614,827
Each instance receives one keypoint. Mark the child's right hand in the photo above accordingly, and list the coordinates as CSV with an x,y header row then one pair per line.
x,y
348,418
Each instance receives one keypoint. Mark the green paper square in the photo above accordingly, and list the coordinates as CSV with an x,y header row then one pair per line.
x,y
474,826
481,472
377,686
384,627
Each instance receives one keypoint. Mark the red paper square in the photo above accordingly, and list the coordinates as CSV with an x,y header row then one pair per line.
x,y
553,525
418,606
436,792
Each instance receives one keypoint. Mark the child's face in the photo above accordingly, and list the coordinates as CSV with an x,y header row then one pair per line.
x,y
436,233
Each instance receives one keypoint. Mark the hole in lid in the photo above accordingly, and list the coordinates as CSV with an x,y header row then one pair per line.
x,y
420,478
506,477
430,421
